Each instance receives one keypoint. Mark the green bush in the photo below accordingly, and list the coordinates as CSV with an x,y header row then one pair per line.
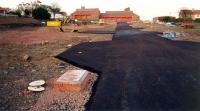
x,y
188,19
197,20
41,13
169,19
18,13
179,20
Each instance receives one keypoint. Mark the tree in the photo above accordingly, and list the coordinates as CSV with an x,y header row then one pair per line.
x,y
41,13
169,19
179,20
18,13
27,12
7,10
188,19
55,8
197,20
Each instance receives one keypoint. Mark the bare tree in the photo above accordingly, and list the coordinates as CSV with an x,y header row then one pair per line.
x,y
7,10
55,8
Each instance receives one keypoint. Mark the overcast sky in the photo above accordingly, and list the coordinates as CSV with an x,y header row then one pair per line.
x,y
147,9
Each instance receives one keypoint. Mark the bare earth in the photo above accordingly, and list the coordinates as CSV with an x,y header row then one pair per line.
x,y
41,44
29,35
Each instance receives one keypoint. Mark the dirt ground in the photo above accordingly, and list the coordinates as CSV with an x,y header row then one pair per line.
x,y
17,20
41,44
36,35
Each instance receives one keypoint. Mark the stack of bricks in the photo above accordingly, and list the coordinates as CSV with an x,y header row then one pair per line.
x,y
72,80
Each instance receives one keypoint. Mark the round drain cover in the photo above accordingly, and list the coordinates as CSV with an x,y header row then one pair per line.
x,y
36,89
37,83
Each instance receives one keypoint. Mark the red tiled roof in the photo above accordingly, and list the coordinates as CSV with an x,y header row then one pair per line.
x,y
191,11
117,14
87,11
196,11
2,9
186,11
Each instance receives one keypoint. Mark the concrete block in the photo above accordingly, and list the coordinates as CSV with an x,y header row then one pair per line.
x,y
72,80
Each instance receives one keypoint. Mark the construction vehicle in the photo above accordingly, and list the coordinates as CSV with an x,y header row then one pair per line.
x,y
68,20
60,23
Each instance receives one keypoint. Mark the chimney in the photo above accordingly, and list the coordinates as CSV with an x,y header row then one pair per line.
x,y
82,7
193,10
127,9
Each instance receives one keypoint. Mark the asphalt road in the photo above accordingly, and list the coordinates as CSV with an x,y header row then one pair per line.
x,y
140,71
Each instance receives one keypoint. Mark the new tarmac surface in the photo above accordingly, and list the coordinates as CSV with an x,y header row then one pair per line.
x,y
140,71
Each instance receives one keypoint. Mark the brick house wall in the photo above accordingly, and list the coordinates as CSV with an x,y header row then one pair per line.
x,y
109,16
194,14
2,10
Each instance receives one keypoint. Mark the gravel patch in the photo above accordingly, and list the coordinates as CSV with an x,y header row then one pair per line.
x,y
56,100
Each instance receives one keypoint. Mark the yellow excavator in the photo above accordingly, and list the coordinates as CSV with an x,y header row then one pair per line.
x,y
61,23
67,20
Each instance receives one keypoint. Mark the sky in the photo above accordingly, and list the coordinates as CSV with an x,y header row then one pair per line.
x,y
146,9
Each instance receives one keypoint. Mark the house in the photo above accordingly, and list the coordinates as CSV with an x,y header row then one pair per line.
x,y
86,14
195,14
119,16
108,16
186,13
2,10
